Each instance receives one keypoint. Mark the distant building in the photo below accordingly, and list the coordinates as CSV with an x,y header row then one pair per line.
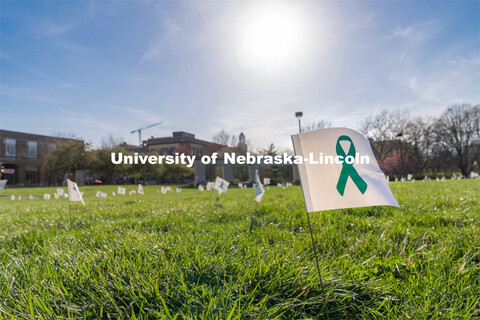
x,y
182,142
22,156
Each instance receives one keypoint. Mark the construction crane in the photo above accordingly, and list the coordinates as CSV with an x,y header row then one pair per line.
x,y
141,129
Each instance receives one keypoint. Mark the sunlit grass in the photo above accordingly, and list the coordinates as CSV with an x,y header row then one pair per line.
x,y
197,255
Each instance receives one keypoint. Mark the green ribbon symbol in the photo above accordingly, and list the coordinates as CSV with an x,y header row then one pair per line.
x,y
347,169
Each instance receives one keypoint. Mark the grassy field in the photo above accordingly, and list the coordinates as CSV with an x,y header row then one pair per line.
x,y
197,255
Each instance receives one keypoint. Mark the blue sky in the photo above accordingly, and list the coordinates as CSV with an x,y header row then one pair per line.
x,y
100,68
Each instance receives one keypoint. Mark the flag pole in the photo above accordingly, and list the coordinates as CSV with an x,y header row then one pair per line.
x,y
318,266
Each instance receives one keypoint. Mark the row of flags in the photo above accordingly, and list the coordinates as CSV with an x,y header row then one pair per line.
x,y
338,185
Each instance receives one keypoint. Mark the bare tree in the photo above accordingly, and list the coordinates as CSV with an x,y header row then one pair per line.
x,y
322,124
110,142
384,129
225,138
420,137
458,129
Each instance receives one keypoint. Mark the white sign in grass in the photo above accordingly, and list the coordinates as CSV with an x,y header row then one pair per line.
x,y
221,185
121,190
259,191
101,194
73,192
3,182
210,185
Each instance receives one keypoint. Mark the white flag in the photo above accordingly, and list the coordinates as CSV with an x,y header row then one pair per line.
x,y
409,177
113,193
60,192
3,182
140,189
46,196
164,190
101,194
259,191
56,196
73,192
210,185
240,185
266,181
121,190
200,187
12,197
133,192
179,189
340,185
221,185
19,197
279,185
31,197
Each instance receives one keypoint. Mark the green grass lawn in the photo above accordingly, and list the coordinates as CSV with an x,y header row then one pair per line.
x,y
197,255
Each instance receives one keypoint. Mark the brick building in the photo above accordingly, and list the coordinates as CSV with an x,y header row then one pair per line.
x,y
182,142
22,156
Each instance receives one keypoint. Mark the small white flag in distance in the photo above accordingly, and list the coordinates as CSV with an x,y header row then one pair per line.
x,y
31,197
266,181
121,190
19,198
140,189
101,194
3,182
12,197
169,188
221,185
73,192
240,185
133,192
279,185
113,193
259,191
61,192
210,185
65,195
46,196
164,190
340,185
56,196
409,177
179,189
200,187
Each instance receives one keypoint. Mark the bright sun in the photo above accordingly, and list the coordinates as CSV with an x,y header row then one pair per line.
x,y
271,37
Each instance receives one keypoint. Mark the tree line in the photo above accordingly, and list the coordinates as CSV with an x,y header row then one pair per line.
x,y
426,145
402,145
74,155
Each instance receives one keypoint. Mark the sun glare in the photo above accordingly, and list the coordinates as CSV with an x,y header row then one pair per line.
x,y
271,37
